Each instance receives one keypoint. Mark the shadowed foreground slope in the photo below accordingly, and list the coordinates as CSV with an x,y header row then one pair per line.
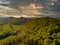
x,y
39,31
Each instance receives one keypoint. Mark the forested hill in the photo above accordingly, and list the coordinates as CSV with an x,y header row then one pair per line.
x,y
38,31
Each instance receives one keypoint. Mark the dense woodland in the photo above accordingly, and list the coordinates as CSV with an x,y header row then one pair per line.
x,y
38,31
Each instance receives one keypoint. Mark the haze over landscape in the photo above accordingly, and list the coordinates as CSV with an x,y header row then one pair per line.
x,y
30,8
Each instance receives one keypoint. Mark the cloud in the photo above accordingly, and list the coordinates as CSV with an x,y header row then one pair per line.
x,y
4,2
50,6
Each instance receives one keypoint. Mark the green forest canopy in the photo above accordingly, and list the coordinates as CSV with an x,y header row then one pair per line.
x,y
38,31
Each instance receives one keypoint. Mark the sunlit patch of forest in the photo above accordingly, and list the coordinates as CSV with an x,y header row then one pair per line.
x,y
38,31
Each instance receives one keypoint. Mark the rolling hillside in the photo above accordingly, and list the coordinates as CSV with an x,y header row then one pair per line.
x,y
38,31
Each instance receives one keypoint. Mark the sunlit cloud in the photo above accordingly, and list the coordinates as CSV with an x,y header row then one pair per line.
x,y
31,9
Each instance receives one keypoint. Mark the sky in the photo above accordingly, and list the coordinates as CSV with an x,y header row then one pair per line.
x,y
49,6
